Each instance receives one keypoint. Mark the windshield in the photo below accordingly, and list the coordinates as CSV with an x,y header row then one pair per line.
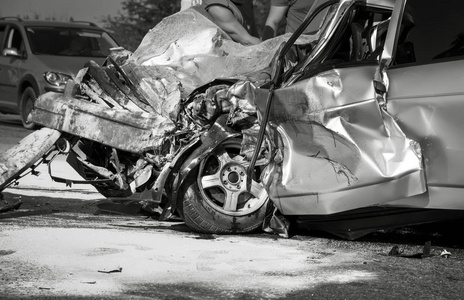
x,y
69,41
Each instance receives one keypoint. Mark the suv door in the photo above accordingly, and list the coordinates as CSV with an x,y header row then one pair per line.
x,y
426,93
11,67
4,104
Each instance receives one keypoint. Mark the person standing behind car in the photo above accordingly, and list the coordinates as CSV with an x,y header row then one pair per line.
x,y
235,17
294,11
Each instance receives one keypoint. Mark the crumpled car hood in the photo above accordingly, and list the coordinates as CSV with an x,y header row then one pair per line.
x,y
189,49
183,52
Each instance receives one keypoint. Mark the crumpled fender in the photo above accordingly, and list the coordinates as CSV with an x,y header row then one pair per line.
x,y
173,175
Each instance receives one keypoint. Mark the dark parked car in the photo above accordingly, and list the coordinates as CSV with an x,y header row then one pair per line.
x,y
40,56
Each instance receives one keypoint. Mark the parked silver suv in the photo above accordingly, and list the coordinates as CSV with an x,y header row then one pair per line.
x,y
40,56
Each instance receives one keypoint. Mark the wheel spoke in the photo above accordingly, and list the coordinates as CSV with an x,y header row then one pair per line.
x,y
231,201
259,162
222,156
210,181
257,190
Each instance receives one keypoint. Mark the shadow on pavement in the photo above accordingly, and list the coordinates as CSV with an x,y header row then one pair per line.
x,y
10,119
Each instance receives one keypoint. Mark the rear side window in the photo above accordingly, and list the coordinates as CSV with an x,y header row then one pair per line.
x,y
2,34
431,30
15,40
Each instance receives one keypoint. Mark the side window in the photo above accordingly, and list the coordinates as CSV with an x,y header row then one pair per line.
x,y
317,22
363,37
2,35
15,40
431,30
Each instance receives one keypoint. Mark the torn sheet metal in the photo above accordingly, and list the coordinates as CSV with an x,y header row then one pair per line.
x,y
189,44
117,128
137,101
339,150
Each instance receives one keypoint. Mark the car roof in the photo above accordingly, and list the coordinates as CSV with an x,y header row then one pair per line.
x,y
73,24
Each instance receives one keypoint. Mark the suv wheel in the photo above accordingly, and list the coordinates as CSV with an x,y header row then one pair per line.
x,y
26,105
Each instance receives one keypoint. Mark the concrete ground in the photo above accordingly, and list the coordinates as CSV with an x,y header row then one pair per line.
x,y
59,245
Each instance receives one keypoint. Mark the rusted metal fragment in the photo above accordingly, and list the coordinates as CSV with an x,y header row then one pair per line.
x,y
206,107
103,80
25,154
124,130
113,75
249,140
94,92
10,207
159,86
112,92
243,111
119,55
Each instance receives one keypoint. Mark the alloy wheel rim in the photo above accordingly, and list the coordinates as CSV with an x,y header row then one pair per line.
x,y
223,185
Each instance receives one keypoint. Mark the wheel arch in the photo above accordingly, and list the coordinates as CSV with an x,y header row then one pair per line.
x,y
208,141
27,81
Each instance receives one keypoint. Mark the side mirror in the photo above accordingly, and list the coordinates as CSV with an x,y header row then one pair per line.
x,y
11,52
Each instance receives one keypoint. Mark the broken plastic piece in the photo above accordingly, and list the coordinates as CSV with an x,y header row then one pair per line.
x,y
10,207
394,251
114,270
277,224
445,254
425,252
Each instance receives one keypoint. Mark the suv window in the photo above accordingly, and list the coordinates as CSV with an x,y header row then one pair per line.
x,y
69,41
15,40
431,30
2,34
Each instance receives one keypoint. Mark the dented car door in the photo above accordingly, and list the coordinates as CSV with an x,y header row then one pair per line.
x,y
338,149
426,95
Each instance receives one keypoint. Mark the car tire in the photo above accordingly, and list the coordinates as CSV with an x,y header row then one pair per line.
x,y
214,195
26,104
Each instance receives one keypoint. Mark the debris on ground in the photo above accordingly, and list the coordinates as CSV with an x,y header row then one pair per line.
x,y
112,270
395,251
10,207
129,207
445,254
276,223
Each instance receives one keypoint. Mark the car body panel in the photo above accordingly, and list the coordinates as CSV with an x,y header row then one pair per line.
x,y
15,71
431,113
331,135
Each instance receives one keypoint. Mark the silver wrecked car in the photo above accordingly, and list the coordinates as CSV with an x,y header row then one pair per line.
x,y
350,130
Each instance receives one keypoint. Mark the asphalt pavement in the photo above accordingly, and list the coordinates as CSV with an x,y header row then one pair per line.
x,y
60,245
